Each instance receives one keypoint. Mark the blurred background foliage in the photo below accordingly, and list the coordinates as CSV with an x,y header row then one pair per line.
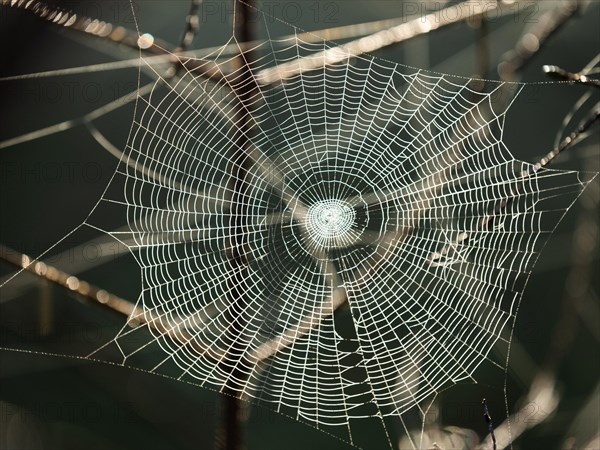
x,y
49,185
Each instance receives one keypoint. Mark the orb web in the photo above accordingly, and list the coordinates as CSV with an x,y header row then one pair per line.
x,y
379,268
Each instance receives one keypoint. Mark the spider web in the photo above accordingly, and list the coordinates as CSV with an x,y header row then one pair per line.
x,y
386,231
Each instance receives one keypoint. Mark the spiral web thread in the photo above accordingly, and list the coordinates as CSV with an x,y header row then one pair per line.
x,y
380,268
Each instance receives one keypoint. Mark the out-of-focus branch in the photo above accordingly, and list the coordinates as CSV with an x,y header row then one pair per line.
x,y
397,30
71,123
534,39
488,420
483,51
488,220
579,78
85,290
541,401
376,41
570,140
137,316
117,34
87,25
230,435
192,26
584,432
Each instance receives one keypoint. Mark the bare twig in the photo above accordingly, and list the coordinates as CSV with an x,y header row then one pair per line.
x,y
534,39
116,34
483,52
376,41
192,25
68,124
542,398
488,220
570,140
488,420
579,78
232,426
137,316
70,282
332,34
87,25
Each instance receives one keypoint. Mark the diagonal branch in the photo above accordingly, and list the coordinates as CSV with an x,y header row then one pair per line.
x,y
531,42
578,78
488,221
376,41
116,34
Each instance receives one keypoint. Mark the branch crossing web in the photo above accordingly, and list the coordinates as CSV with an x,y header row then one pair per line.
x,y
339,243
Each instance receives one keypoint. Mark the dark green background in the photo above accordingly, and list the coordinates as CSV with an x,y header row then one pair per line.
x,y
49,185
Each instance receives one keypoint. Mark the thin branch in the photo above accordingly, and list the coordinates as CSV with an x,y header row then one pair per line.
x,y
192,25
94,295
116,34
488,221
579,78
488,420
70,282
241,154
71,123
376,41
483,50
331,34
543,396
570,140
87,25
534,39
